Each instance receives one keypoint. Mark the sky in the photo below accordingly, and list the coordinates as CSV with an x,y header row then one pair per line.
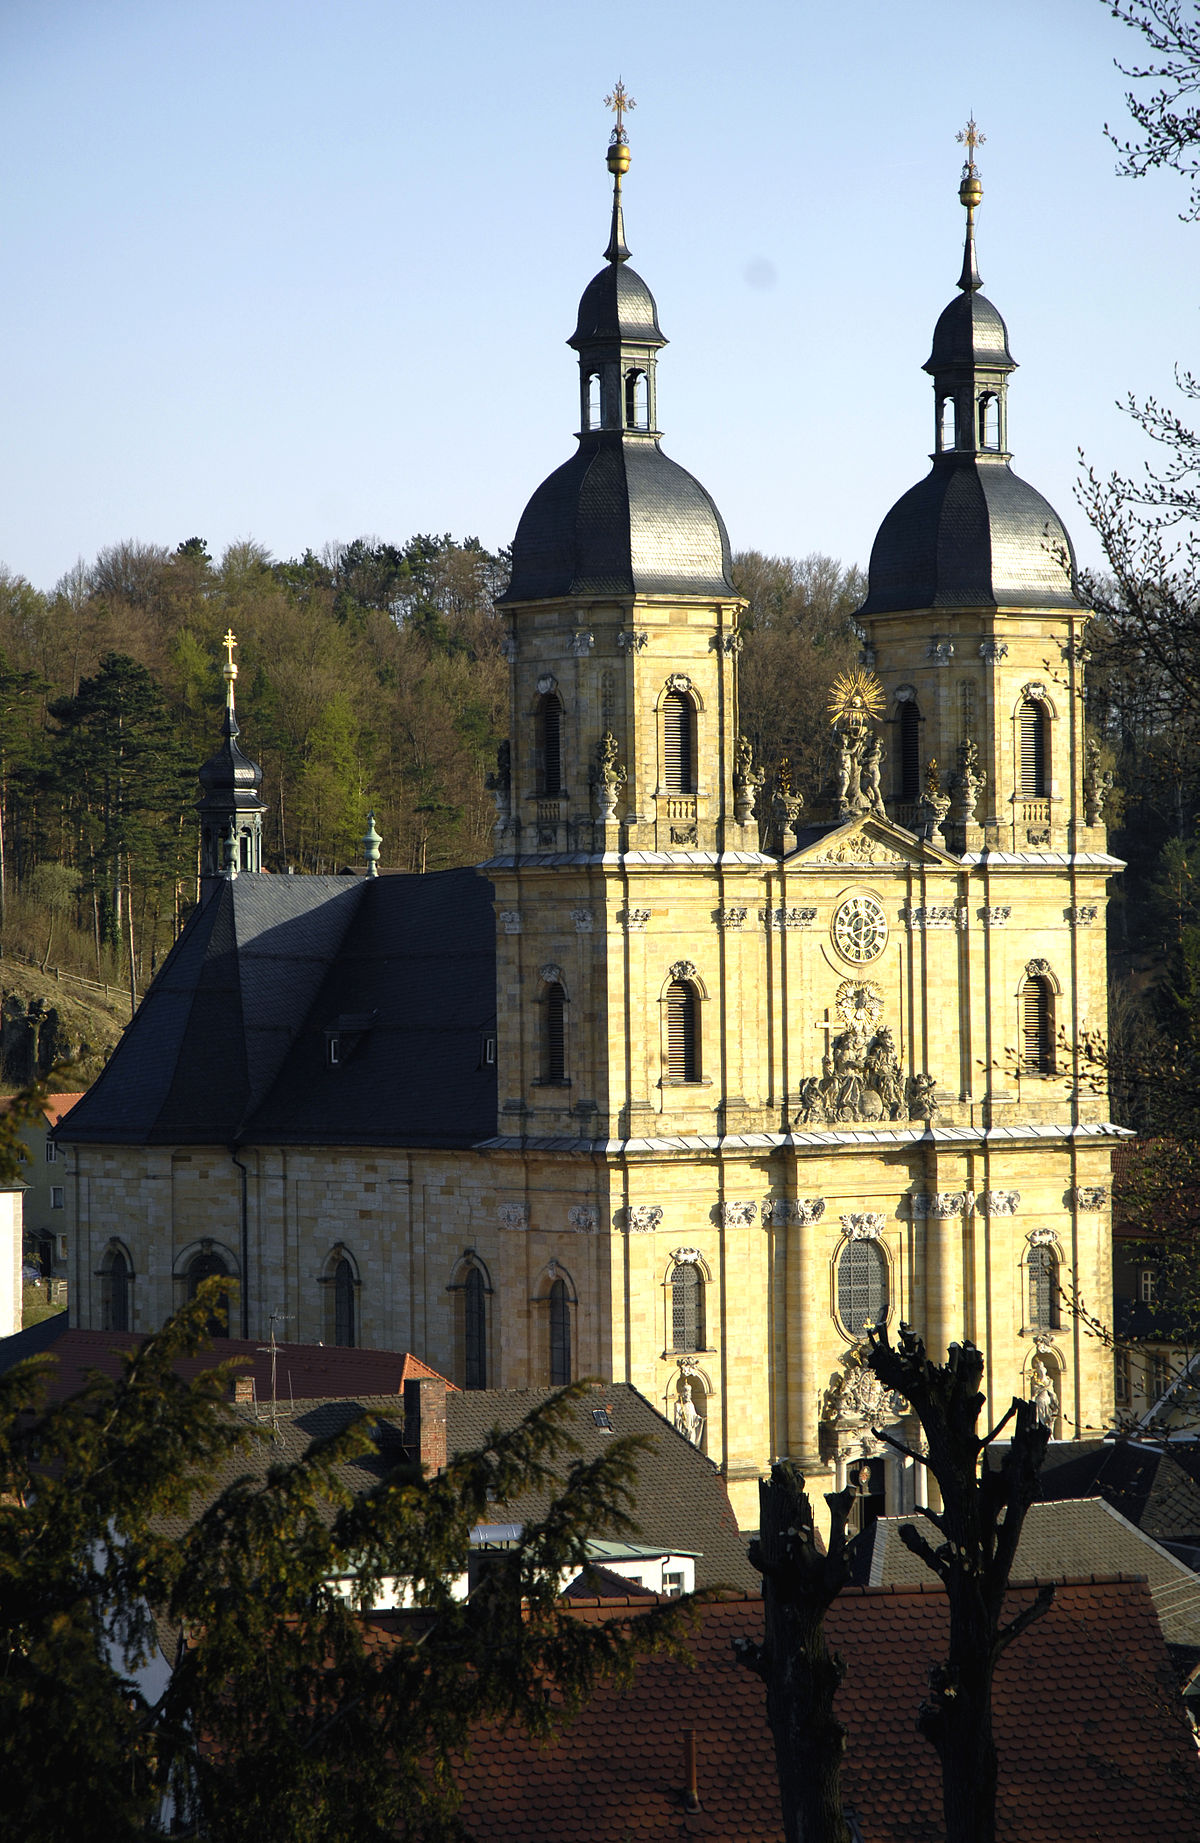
x,y
297,271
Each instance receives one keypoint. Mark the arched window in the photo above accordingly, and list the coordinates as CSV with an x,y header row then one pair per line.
x,y
909,754
560,1335
862,1286
474,1331
637,401
554,1034
1034,767
989,421
687,1307
209,1265
1037,1026
946,424
593,400
114,1291
1044,1301
344,1314
549,743
679,743
683,1046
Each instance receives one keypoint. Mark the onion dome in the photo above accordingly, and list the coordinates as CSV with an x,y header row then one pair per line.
x,y
619,518
972,534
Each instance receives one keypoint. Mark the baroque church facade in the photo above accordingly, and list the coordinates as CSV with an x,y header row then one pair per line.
x,y
661,1093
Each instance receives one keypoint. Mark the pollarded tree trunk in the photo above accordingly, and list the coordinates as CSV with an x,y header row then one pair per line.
x,y
983,1511
794,1661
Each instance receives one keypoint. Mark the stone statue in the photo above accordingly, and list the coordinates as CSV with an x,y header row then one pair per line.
x,y
1042,1394
969,783
872,771
1097,784
608,777
860,1072
747,779
933,806
687,1416
499,783
918,1092
784,807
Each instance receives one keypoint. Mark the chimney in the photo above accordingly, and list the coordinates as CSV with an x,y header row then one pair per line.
x,y
425,1422
243,1391
691,1793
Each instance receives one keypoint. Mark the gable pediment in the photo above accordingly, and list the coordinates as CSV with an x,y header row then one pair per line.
x,y
872,842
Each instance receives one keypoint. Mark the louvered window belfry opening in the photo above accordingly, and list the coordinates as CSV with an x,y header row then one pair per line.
x,y
1035,739
549,744
554,1028
687,1308
1037,1027
343,1305
679,744
560,1335
474,1331
1043,1289
683,1060
862,1286
910,751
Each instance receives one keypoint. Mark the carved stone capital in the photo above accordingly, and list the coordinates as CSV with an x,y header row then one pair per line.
x,y
730,644
868,1225
992,650
641,1218
999,1202
737,1215
633,640
513,1215
787,918
781,1211
583,1218
634,920
942,1203
996,915
584,920
1082,915
936,915
1087,1198
508,649
732,918
582,643
510,921
940,651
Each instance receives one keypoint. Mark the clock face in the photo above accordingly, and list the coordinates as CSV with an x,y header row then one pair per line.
x,y
860,930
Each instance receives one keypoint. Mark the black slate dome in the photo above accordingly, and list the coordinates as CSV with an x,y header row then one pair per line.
x,y
619,518
970,331
972,534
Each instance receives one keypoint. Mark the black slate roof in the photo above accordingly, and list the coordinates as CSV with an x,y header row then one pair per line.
x,y
681,1501
617,305
620,518
1147,1484
230,1043
971,534
970,333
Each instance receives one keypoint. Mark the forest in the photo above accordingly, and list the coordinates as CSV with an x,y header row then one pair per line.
x,y
370,677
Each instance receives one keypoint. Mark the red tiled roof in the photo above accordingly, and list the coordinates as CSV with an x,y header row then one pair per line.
x,y
56,1105
1093,1744
302,1370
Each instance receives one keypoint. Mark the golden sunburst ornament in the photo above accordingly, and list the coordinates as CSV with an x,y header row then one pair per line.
x,y
854,698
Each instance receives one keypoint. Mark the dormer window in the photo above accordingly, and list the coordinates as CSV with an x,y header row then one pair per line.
x,y
333,1049
344,1035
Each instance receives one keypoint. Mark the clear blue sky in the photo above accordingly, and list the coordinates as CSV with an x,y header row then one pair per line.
x,y
300,271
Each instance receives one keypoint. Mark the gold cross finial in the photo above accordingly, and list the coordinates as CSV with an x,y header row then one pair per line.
x,y
620,102
229,670
970,138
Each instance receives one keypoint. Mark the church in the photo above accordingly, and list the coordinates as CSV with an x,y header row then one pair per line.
x,y
688,1082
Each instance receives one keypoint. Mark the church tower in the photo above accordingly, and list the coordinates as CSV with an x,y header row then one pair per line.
x,y
230,806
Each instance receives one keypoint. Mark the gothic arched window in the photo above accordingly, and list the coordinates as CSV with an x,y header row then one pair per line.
x,y
687,1307
683,1035
1037,1026
114,1291
210,1265
474,1330
560,1335
1034,743
554,1033
862,1285
344,1326
679,743
1043,1290
909,754
549,743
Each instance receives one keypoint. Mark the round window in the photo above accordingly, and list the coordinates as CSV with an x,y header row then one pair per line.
x,y
860,929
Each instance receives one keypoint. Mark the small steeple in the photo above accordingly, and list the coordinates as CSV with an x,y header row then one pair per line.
x,y
970,362
230,808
